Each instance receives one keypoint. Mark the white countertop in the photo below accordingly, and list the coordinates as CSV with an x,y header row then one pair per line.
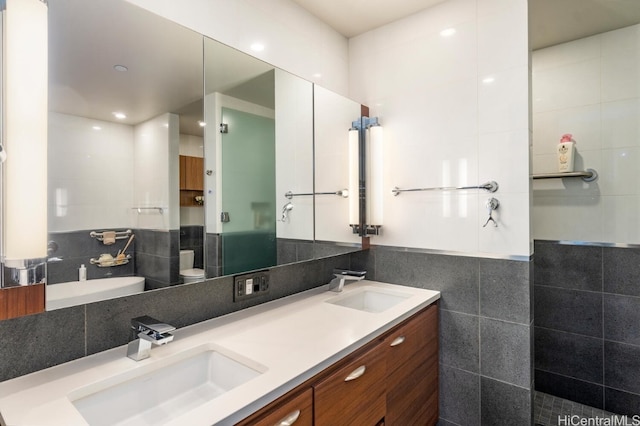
x,y
293,338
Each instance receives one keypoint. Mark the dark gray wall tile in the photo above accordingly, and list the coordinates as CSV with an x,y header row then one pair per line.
x,y
325,249
443,422
108,321
621,268
304,250
459,343
505,351
158,242
67,270
622,318
572,355
78,247
454,276
39,341
505,291
459,396
586,393
286,251
620,402
568,266
213,253
365,260
191,236
505,404
622,366
164,270
575,311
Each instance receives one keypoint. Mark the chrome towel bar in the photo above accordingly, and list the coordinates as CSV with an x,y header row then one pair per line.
x,y
491,186
343,193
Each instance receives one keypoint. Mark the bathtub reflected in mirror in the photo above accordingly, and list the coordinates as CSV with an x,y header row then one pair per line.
x,y
74,293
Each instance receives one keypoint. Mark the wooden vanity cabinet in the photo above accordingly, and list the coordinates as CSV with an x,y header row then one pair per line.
x,y
354,393
412,371
294,408
398,385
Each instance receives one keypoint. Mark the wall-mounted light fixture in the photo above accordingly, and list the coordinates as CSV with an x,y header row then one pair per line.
x,y
24,132
365,176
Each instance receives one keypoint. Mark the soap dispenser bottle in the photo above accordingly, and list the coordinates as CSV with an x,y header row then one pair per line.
x,y
82,273
566,153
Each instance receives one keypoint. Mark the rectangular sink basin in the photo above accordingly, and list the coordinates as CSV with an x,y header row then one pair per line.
x,y
169,390
369,299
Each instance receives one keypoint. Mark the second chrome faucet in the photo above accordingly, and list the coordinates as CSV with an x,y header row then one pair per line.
x,y
341,276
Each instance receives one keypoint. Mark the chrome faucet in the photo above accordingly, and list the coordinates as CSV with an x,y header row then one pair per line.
x,y
340,276
147,331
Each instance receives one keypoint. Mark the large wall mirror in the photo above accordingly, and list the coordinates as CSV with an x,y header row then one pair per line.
x,y
192,176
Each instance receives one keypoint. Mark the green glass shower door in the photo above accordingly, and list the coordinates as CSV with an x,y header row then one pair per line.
x,y
248,192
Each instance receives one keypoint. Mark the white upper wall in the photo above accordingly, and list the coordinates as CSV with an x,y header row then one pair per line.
x,y
590,88
90,174
455,112
294,40
156,174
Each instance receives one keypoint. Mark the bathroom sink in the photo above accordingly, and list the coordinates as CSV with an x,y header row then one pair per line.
x,y
165,390
369,299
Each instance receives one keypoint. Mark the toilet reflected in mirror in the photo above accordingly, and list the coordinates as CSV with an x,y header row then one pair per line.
x,y
189,274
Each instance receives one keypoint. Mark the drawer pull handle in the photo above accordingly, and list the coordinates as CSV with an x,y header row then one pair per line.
x,y
356,373
397,341
290,419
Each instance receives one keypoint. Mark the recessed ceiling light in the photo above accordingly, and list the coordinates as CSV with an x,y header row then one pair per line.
x,y
120,68
97,128
120,115
317,75
257,47
201,123
488,80
448,32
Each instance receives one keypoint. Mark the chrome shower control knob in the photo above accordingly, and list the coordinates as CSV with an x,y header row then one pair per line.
x,y
492,204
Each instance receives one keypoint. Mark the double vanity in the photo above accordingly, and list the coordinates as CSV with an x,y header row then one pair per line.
x,y
363,351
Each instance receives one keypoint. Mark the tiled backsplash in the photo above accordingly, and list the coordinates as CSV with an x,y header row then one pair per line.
x,y
485,324
587,311
486,358
62,335
192,238
158,257
75,248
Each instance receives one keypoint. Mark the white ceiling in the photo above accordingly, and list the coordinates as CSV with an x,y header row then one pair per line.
x,y
353,17
551,21
88,37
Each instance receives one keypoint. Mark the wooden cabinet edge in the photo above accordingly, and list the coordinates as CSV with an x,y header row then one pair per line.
x,y
307,386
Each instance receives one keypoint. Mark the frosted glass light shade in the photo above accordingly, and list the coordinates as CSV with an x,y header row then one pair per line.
x,y
375,175
354,178
25,130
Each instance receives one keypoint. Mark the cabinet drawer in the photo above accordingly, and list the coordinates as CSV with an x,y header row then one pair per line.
x,y
415,340
412,371
295,411
354,394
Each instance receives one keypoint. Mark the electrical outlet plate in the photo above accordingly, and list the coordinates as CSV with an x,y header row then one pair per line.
x,y
253,284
